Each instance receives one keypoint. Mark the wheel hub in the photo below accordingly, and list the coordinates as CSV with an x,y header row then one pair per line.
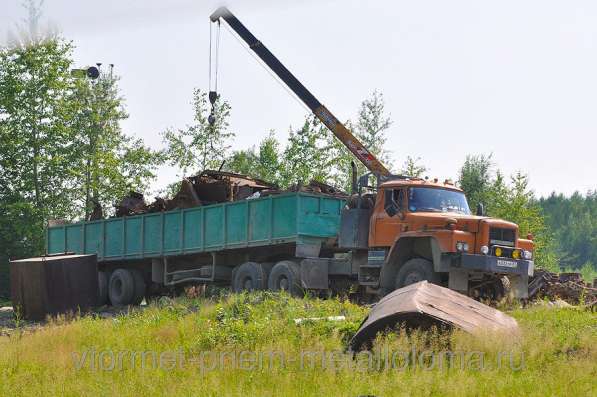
x,y
118,286
283,284
248,284
412,278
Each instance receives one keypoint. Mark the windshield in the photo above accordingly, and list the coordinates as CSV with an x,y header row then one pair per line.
x,y
425,199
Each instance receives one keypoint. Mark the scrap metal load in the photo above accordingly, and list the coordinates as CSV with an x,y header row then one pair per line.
x,y
212,187
569,287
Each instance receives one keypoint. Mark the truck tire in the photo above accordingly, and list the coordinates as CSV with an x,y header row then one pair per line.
x,y
249,276
415,270
285,276
102,281
122,287
140,287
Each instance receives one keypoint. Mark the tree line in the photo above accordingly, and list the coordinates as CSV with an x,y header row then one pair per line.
x,y
63,154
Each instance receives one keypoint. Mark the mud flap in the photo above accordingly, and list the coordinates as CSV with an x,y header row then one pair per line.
x,y
458,280
519,286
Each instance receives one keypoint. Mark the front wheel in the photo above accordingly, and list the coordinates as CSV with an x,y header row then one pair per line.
x,y
415,270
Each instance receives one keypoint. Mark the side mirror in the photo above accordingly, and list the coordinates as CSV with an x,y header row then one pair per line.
x,y
480,209
392,209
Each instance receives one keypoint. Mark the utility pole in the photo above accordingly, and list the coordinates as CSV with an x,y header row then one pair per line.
x,y
94,104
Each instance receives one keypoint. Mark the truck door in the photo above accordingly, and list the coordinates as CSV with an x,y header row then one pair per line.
x,y
387,219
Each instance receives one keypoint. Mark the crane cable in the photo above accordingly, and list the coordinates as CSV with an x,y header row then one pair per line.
x,y
213,77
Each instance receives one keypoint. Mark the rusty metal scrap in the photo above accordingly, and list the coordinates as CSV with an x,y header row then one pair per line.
x,y
318,188
423,305
211,187
133,204
569,287
220,186
185,198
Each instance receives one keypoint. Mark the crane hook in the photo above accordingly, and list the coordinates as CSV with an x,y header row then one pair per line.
x,y
213,97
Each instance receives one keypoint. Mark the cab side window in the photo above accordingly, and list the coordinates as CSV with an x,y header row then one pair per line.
x,y
393,201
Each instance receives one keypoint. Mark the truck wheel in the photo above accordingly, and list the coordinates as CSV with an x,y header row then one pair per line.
x,y
102,281
249,276
415,270
140,287
122,287
285,276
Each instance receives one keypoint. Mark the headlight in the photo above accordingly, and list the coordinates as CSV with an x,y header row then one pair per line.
x,y
484,249
498,251
516,254
528,255
461,246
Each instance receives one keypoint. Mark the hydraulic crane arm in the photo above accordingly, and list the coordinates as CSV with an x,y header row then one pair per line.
x,y
337,127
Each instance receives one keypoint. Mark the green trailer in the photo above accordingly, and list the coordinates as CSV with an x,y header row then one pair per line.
x,y
239,243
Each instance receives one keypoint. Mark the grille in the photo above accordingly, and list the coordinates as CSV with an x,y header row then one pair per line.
x,y
499,236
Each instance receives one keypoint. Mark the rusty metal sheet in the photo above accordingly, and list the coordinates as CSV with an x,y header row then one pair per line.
x,y
423,305
54,284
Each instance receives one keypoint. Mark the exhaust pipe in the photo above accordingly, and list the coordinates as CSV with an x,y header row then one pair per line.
x,y
355,188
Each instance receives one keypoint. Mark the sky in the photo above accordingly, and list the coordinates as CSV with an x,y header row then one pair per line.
x,y
515,79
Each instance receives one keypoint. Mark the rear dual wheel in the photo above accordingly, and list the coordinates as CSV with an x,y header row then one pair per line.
x,y
250,276
285,276
126,287
253,276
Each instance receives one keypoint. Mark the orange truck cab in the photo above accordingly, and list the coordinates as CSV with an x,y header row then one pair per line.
x,y
419,229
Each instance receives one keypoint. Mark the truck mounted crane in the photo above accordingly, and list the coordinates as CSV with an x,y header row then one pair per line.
x,y
319,110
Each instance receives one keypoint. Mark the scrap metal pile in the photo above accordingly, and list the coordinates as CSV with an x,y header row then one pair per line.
x,y
211,187
569,287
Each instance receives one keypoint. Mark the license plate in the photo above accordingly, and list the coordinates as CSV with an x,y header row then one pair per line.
x,y
503,263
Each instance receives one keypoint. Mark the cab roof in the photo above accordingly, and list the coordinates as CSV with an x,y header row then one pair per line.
x,y
418,182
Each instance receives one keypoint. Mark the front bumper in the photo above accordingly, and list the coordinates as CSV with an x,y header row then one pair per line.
x,y
492,264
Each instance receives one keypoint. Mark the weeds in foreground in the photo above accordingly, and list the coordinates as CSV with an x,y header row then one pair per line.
x,y
216,344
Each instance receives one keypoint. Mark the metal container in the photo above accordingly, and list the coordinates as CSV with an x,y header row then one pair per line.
x,y
53,284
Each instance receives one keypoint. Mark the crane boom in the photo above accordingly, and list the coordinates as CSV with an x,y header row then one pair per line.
x,y
322,113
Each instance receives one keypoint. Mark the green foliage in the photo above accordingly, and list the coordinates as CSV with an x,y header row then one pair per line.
x,y
200,146
306,156
264,164
475,178
574,223
59,138
558,342
412,167
35,144
514,202
313,152
588,272
370,128
106,164
372,125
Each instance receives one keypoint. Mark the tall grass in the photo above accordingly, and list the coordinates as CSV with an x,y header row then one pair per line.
x,y
555,353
